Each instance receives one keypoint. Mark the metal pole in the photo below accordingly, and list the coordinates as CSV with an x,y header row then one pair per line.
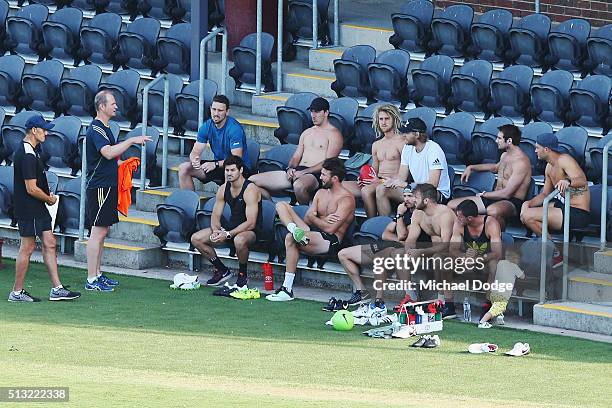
x,y
566,220
165,134
83,191
258,50
315,24
145,114
279,47
202,76
223,61
604,195
544,240
336,24
537,6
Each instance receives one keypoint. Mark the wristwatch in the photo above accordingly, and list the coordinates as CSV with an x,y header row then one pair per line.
x,y
216,163
228,235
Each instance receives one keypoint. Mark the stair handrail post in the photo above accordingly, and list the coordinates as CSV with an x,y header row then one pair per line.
x,y
336,24
566,237
203,64
83,191
604,195
145,114
258,48
543,257
166,124
279,47
315,24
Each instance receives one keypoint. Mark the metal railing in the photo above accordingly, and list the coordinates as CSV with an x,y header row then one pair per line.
x,y
204,67
83,189
543,255
145,117
604,195
258,48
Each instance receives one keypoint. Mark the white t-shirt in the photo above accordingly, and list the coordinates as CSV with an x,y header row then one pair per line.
x,y
430,158
506,273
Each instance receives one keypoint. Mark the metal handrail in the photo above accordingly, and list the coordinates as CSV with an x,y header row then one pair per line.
x,y
204,64
315,24
145,117
604,195
279,47
83,191
258,48
336,24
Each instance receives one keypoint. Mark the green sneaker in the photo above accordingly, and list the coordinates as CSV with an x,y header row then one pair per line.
x,y
254,293
299,235
240,294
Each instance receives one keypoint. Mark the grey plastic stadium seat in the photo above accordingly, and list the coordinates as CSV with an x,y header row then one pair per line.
x,y
158,9
277,158
451,30
78,88
187,105
41,86
549,97
52,181
454,135
573,140
24,30
510,91
470,87
177,217
478,182
484,145
388,77
342,114
426,114
99,38
14,132
123,7
60,145
11,70
67,219
156,99
589,102
61,33
174,49
4,8
529,135
599,48
490,35
596,154
431,81
371,230
528,40
299,20
89,5
567,45
294,117
6,194
151,151
124,85
352,72
364,132
203,216
594,227
411,26
243,71
137,44
254,149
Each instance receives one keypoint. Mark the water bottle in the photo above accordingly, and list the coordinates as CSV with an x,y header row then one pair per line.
x,y
268,277
467,311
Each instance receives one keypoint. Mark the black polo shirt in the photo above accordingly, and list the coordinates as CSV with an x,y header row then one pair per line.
x,y
28,166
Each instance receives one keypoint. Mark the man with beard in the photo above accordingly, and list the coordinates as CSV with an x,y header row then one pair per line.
x,y
386,154
321,141
324,225
244,200
513,178
225,136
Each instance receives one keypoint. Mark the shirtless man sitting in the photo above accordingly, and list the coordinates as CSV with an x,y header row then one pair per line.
x,y
324,225
320,142
562,172
386,154
513,178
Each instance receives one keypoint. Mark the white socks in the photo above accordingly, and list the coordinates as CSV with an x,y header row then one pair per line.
x,y
288,283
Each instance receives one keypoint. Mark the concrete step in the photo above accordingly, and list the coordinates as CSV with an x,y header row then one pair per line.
x,y
376,36
266,104
579,316
590,287
124,254
137,227
603,261
147,200
299,78
322,59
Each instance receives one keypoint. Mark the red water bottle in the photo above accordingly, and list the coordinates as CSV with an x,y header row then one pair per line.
x,y
268,277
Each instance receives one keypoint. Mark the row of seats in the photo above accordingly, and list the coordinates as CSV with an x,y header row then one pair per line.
x,y
494,36
554,98
32,32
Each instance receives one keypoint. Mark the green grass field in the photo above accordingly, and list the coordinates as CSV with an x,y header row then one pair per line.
x,y
148,346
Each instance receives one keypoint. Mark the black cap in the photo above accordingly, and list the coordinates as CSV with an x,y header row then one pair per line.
x,y
37,121
413,125
319,104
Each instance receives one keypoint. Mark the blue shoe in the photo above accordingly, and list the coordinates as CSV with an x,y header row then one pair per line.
x,y
108,281
99,286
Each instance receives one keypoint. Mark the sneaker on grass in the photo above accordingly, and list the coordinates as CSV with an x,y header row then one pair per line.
x,y
359,297
22,296
281,295
63,293
227,290
99,286
108,281
219,277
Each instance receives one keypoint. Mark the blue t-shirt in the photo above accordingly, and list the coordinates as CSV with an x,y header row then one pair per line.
x,y
101,172
222,141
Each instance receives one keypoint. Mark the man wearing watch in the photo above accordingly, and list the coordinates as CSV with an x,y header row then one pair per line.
x,y
244,200
225,137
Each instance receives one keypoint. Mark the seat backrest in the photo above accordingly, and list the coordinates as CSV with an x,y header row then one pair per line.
x,y
4,8
22,117
7,177
534,129
361,54
280,154
421,9
498,18
52,181
301,101
440,64
69,126
522,75
69,16
375,225
175,86
576,27
187,200
492,125
254,149
537,23
127,79
480,181
461,14
478,69
576,137
50,69
147,27
36,13
398,59
151,147
12,65
427,115
562,80
600,85
110,23
180,32
346,108
89,74
267,44
463,122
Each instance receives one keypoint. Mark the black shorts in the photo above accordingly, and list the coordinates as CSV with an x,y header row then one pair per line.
x,y
442,199
218,174
334,243
579,218
516,202
381,245
316,175
101,207
34,227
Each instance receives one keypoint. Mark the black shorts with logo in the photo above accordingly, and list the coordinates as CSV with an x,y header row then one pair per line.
x,y
34,227
101,207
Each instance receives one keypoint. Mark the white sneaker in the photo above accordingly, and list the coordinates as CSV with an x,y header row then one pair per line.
x,y
499,320
362,311
281,295
484,325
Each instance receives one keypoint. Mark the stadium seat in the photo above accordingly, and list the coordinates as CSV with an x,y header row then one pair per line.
x,y
11,70
352,72
99,6
4,8
67,218
596,154
156,100
490,35
52,181
549,97
124,85
24,30
61,33
177,217
427,115
528,40
99,39
277,158
411,26
266,236
470,87
567,45
14,132
364,132
342,114
203,215
123,7
243,71
454,136
157,9
299,21
431,81
484,144
254,149
529,135
6,195
187,105
599,48
41,87
573,140
589,102
2,115
594,226
388,77
78,88
294,117
60,145
451,30
174,49
151,152
510,92
371,230
216,12
137,45
478,182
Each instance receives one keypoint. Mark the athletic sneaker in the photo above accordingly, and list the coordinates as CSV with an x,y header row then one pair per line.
x,y
432,342
499,320
63,294
373,309
219,277
421,341
281,295
484,325
227,289
246,294
299,235
486,306
22,296
335,304
108,281
449,311
99,286
359,297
